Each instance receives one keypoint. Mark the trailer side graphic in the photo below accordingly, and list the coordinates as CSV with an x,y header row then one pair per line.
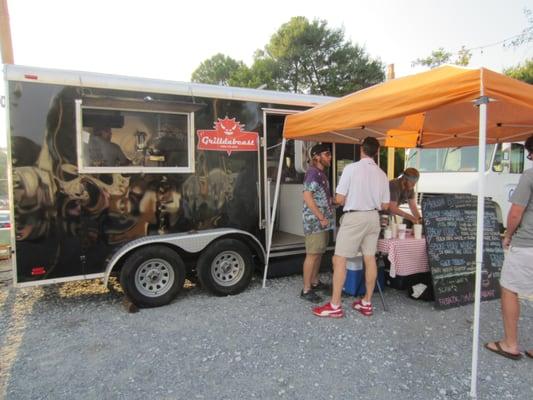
x,y
108,177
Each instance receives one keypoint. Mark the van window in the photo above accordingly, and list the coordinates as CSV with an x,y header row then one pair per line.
x,y
514,156
134,140
452,159
497,164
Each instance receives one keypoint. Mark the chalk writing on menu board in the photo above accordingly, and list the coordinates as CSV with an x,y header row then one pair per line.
x,y
450,230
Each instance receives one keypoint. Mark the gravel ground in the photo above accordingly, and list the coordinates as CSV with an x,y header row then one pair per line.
x,y
76,341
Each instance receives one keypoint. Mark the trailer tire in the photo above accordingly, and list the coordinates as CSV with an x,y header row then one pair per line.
x,y
152,276
226,267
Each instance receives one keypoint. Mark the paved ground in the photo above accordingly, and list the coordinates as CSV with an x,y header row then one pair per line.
x,y
76,341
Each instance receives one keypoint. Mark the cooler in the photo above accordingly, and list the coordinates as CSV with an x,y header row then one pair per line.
x,y
355,278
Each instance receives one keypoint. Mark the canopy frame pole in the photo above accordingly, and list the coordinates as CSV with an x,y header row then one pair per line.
x,y
482,102
274,210
355,141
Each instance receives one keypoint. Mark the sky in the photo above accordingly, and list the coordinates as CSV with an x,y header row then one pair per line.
x,y
168,39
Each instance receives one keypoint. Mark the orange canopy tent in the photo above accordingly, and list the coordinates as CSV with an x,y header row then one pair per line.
x,y
436,108
445,107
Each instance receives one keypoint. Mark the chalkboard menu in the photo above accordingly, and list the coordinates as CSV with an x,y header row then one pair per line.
x,y
450,230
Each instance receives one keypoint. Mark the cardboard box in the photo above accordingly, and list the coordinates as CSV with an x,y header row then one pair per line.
x,y
355,278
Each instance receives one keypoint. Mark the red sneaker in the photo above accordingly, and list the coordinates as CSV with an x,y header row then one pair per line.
x,y
365,309
327,311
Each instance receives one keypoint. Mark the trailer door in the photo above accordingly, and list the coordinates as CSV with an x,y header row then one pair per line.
x,y
288,230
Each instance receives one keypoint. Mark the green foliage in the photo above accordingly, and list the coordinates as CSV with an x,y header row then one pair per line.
x,y
463,57
217,70
523,72
262,73
301,57
312,58
399,160
441,56
437,57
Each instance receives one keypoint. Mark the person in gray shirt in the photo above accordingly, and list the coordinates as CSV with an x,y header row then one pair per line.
x,y
517,272
103,152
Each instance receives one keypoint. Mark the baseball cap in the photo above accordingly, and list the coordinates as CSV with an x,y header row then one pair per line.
x,y
411,174
319,148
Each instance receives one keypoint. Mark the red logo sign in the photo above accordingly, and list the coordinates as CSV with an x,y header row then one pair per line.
x,y
227,136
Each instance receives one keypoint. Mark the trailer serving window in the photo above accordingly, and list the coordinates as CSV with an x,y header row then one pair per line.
x,y
127,136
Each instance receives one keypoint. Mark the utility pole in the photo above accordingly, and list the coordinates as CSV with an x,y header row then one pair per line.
x,y
390,150
6,45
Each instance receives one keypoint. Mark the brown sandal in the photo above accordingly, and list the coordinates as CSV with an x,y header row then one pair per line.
x,y
502,352
529,353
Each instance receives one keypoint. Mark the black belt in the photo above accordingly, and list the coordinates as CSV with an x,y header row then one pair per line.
x,y
349,211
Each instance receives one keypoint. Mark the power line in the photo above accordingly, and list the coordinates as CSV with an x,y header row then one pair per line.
x,y
501,41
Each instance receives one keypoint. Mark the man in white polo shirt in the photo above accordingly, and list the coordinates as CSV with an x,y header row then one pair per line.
x,y
363,189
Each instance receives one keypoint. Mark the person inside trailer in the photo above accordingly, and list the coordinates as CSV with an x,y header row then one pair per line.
x,y
402,191
102,151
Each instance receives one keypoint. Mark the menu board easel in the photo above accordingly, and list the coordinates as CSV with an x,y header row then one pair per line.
x,y
450,231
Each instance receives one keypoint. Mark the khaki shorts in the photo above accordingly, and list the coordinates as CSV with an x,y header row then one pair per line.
x,y
517,271
316,243
359,229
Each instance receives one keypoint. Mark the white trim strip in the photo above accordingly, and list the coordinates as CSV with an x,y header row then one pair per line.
x,y
60,280
106,81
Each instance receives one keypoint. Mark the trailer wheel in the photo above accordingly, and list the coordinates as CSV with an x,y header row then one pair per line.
x,y
152,276
225,267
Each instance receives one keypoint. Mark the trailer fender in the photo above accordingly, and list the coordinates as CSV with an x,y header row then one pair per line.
x,y
190,242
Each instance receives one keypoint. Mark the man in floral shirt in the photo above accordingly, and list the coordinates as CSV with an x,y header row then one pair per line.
x,y
317,219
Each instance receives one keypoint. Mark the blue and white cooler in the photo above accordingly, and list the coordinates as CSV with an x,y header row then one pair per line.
x,y
355,278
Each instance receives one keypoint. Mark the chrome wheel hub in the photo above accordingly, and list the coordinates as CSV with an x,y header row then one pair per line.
x,y
154,277
227,268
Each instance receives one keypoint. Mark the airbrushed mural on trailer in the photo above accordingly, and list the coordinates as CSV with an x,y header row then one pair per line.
x,y
127,146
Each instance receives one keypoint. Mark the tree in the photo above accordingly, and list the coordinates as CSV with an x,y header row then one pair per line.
x,y
463,57
302,57
217,70
311,58
441,56
263,73
523,72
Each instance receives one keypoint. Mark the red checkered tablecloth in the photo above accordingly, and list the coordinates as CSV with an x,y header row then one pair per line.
x,y
407,256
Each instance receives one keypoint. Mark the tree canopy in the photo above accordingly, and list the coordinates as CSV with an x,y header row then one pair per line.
x,y
301,57
463,56
441,56
217,70
523,72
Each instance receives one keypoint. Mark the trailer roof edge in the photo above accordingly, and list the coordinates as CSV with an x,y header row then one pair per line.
x,y
122,82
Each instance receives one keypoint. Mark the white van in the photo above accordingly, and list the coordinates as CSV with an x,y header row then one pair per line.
x,y
454,170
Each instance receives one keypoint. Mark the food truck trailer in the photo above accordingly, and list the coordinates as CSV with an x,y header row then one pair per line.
x,y
148,180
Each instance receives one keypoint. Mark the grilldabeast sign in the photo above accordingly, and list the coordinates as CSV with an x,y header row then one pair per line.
x,y
227,136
